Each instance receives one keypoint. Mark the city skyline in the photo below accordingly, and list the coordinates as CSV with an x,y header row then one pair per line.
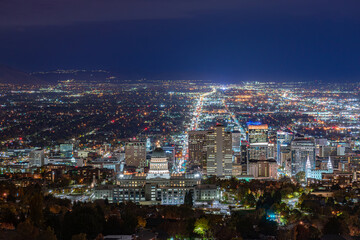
x,y
179,119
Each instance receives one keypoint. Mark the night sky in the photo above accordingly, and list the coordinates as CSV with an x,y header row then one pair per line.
x,y
226,41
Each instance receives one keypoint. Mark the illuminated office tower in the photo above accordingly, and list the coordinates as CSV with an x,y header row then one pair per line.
x,y
135,154
66,147
236,141
244,152
301,150
258,142
283,140
321,147
219,152
258,133
37,158
66,150
197,148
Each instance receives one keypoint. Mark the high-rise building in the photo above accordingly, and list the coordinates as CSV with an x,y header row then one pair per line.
x,y
285,159
283,140
258,133
258,142
320,145
236,141
244,152
271,151
66,147
244,156
66,150
219,152
135,154
326,151
37,158
340,150
197,148
301,149
212,151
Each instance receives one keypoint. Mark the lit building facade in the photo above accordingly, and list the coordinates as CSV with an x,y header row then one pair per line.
x,y
135,154
236,141
283,140
158,186
197,148
258,142
301,149
212,151
219,152
36,158
317,174
263,169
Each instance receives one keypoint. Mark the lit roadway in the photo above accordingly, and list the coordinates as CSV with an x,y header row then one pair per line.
x,y
242,131
194,125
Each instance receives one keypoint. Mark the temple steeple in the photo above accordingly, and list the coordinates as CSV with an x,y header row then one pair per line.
x,y
329,165
307,168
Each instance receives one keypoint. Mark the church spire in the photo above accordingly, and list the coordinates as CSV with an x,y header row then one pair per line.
x,y
307,168
329,164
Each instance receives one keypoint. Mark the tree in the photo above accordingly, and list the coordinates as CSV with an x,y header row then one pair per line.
x,y
188,199
36,209
176,229
244,223
202,226
27,231
277,196
249,200
113,226
267,227
335,226
314,233
99,237
83,219
141,222
80,236
130,221
300,176
47,234
8,215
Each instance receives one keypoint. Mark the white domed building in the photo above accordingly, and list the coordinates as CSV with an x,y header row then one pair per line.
x,y
159,186
159,166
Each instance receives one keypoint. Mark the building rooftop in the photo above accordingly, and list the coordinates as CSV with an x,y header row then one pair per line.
x,y
158,153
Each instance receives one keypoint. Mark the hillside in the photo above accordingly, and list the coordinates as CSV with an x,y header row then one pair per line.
x,y
10,75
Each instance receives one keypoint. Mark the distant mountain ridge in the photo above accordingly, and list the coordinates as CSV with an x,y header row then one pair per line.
x,y
10,75
75,74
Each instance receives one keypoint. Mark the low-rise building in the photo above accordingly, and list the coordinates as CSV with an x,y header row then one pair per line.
x,y
263,168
